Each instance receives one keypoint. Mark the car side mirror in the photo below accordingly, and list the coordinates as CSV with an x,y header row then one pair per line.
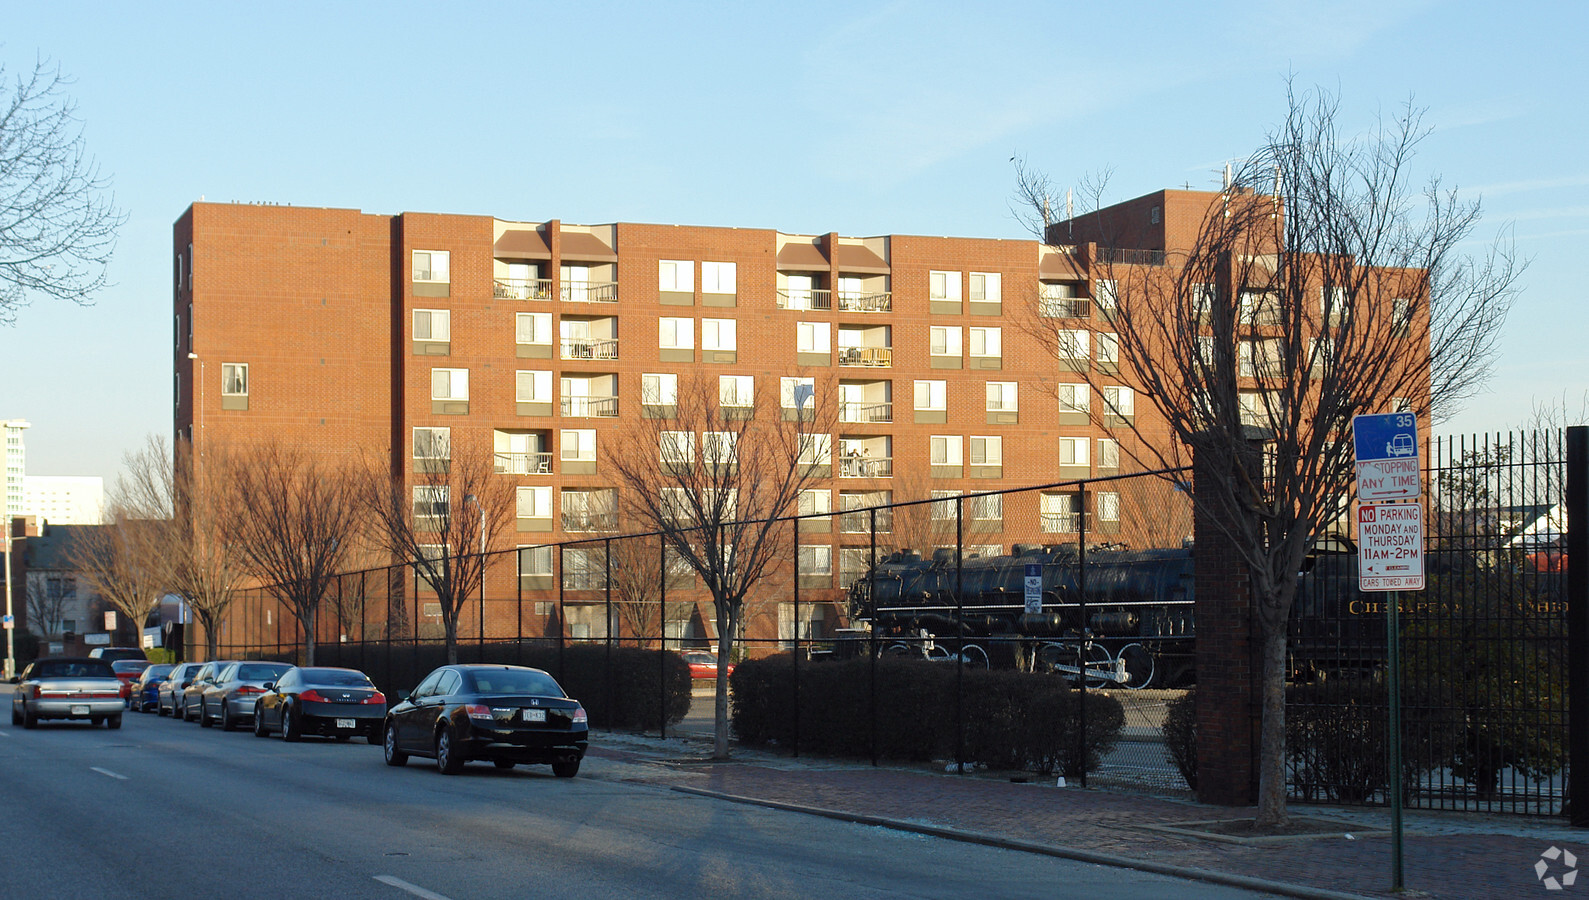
x,y
270,685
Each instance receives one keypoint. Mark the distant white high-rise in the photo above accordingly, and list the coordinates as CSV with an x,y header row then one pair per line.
x,y
16,466
65,499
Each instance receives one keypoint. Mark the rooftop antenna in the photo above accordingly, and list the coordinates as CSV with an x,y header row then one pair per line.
x,y
1070,215
1227,176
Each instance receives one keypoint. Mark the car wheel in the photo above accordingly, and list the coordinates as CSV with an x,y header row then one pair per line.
x,y
95,720
394,756
449,759
113,722
567,767
226,719
291,725
259,724
204,715
503,763
16,715
160,709
373,736
186,715
30,719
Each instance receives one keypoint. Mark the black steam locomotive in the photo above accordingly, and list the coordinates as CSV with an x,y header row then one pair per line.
x,y
1112,617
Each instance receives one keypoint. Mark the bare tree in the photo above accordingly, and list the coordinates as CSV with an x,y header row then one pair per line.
x,y
1316,288
46,604
441,522
294,520
713,480
121,561
57,222
636,568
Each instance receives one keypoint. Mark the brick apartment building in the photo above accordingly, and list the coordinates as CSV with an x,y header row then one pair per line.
x,y
344,331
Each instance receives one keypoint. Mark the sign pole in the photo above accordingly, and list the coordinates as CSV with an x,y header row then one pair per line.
x,y
1393,727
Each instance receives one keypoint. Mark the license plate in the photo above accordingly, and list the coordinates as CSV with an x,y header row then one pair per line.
x,y
79,710
346,723
535,715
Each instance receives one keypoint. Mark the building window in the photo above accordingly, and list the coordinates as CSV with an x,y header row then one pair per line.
x,y
1073,343
589,510
1073,451
532,328
449,384
719,334
944,340
432,443
1108,453
1109,348
1001,396
431,506
796,393
432,325
719,447
987,451
676,334
986,342
676,275
1073,398
1105,295
534,501
578,445
943,286
943,505
1059,513
814,503
1400,318
988,508
1120,401
719,278
946,449
1107,506
677,448
986,287
931,396
815,559
736,391
234,379
532,386
432,266
535,560
813,337
659,389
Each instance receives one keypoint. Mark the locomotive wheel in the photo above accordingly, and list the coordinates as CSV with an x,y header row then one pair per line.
x,y
1055,654
1139,665
975,656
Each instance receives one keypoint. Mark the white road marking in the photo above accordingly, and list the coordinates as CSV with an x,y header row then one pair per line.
x,y
414,889
107,772
5,734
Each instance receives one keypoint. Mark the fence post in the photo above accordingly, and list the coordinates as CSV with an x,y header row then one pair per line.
x,y
872,632
1085,643
795,523
960,639
662,635
1577,502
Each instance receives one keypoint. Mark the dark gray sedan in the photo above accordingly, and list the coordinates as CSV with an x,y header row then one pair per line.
x,y
332,702
67,688
230,699
191,699
506,714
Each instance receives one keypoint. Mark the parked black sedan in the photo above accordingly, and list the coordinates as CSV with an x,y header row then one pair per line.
x,y
506,714
318,700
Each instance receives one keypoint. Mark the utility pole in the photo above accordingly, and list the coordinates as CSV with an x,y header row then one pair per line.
x,y
11,620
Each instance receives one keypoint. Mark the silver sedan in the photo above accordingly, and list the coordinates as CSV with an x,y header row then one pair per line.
x,y
67,688
230,699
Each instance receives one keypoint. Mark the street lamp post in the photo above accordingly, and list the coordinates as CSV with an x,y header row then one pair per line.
x,y
10,622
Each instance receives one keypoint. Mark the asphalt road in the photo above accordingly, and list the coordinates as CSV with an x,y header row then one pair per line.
x,y
165,809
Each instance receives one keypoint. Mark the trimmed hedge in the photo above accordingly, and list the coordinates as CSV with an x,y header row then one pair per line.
x,y
1336,740
625,696
1180,735
1013,720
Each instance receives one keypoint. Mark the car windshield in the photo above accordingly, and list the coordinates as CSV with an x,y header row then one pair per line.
x,y
335,677
129,665
260,672
73,668
516,681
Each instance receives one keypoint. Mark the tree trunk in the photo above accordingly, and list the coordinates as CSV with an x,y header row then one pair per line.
x,y
450,626
309,635
725,647
1272,733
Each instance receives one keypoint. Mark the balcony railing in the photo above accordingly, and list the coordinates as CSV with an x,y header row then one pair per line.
x,y
1130,257
866,467
866,412
1061,523
866,356
855,301
522,289
590,407
590,291
801,298
589,521
860,522
590,348
524,463
1064,307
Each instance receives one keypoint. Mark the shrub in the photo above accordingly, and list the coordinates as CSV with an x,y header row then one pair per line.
x,y
1335,740
1180,735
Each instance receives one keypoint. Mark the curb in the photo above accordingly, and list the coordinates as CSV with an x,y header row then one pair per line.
x,y
1088,856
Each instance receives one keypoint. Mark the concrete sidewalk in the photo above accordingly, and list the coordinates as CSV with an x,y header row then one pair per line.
x,y
1447,855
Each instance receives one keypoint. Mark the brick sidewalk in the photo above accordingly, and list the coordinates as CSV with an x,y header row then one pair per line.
x,y
1444,856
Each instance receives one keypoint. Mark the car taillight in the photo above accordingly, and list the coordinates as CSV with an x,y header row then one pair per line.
x,y
312,696
250,689
580,716
126,690
479,711
375,698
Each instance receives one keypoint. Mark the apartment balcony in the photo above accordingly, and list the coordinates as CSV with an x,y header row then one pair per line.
x,y
524,463
854,301
522,289
1060,523
866,412
580,521
805,298
590,292
590,407
877,357
1064,307
860,522
590,348
866,467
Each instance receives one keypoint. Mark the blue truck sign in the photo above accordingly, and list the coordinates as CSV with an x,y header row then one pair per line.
x,y
1386,447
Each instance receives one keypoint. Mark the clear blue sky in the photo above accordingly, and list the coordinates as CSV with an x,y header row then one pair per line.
x,y
858,118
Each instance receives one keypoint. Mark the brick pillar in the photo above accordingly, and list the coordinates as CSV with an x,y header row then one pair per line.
x,y
1228,664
